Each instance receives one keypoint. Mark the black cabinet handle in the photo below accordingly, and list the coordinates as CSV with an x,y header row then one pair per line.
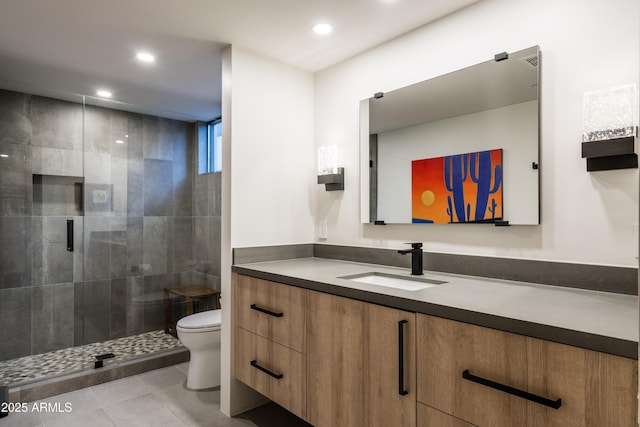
x,y
555,404
254,363
70,235
265,311
401,389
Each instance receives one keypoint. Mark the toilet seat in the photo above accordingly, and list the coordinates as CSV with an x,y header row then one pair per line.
x,y
206,321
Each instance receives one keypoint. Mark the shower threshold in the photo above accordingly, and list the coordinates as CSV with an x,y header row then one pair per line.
x,y
132,355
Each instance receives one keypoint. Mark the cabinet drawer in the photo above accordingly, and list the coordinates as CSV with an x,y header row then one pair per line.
x,y
429,417
593,389
276,371
271,310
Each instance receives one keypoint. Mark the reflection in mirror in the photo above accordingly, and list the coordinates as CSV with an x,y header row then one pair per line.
x,y
458,148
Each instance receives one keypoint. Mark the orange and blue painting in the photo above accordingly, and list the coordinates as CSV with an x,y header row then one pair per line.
x,y
459,188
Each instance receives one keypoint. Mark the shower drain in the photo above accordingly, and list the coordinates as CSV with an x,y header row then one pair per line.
x,y
99,363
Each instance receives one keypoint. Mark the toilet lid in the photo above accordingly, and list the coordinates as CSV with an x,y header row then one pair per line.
x,y
205,319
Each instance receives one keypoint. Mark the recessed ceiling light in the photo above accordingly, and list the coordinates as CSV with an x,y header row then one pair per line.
x,y
145,57
104,93
322,29
4,155
119,141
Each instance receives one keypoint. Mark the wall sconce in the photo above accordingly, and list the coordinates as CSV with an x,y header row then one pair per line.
x,y
329,173
609,128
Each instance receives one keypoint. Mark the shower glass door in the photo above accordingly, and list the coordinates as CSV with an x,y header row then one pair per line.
x,y
138,220
41,169
96,219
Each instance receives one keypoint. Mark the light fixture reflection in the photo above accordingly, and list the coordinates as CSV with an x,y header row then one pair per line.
x,y
4,155
119,141
104,93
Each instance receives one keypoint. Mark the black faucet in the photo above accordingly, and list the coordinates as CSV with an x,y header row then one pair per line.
x,y
416,258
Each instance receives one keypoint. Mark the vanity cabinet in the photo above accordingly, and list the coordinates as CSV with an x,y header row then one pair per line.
x,y
360,363
471,373
336,361
270,341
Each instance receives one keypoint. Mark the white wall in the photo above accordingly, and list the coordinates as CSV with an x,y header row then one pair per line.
x,y
271,153
512,128
267,178
586,217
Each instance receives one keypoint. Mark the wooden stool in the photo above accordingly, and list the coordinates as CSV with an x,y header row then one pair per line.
x,y
190,293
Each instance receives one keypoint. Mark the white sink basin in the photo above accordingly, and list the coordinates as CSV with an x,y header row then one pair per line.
x,y
397,282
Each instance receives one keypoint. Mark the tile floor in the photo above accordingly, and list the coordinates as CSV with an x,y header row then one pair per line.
x,y
156,398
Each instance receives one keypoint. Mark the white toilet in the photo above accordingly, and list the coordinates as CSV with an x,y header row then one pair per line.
x,y
200,333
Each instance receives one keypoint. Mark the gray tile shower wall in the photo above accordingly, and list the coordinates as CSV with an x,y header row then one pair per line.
x,y
184,172
92,310
183,243
15,316
207,223
152,301
159,136
15,251
143,220
126,127
158,187
15,181
97,248
126,246
97,130
157,231
52,311
15,118
56,124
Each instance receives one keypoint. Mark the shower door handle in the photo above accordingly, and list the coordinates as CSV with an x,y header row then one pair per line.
x,y
70,235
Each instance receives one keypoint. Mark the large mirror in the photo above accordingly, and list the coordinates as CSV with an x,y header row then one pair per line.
x,y
458,148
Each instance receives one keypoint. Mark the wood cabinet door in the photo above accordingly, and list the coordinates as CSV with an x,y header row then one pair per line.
x,y
589,389
271,310
390,373
335,360
353,363
597,389
446,349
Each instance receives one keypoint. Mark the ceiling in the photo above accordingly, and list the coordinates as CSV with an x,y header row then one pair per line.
x,y
62,47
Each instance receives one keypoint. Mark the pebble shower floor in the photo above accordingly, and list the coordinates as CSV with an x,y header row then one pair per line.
x,y
46,365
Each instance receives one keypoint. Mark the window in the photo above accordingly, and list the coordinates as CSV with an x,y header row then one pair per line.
x,y
210,148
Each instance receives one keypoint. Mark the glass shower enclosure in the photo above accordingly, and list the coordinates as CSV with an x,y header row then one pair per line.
x,y
101,209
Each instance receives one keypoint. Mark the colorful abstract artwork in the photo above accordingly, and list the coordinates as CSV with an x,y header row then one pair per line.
x,y
459,188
